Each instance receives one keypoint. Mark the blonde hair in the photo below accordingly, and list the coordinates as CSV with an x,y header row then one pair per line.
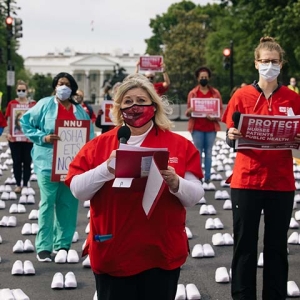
x,y
163,108
268,43
21,82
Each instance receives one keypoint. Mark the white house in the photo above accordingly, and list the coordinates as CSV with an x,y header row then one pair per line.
x,y
90,70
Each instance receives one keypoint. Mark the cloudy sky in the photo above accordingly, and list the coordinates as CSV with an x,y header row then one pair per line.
x,y
50,25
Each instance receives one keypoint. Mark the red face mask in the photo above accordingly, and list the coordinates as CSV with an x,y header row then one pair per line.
x,y
138,115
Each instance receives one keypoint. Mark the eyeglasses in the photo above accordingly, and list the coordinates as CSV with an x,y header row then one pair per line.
x,y
22,91
275,62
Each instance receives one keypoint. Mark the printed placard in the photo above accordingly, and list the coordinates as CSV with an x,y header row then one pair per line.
x,y
268,132
205,106
73,136
16,113
106,116
151,63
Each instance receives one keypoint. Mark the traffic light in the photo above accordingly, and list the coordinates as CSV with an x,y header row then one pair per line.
x,y
9,24
226,58
18,28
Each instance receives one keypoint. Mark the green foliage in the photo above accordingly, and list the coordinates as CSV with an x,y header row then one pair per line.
x,y
41,86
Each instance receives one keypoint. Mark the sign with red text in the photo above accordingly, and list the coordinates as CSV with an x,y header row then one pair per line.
x,y
151,63
16,113
73,136
106,116
205,106
268,132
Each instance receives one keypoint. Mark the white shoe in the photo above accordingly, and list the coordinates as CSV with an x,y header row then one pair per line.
x,y
13,208
87,228
294,224
75,237
209,224
2,204
19,295
294,238
24,191
217,239
57,281
34,228
88,215
86,204
33,215
292,289
30,199
5,196
202,201
4,221
72,257
222,275
297,215
30,191
180,293
23,199
218,223
28,246
228,239
21,209
225,195
12,221
8,188
218,195
26,230
211,210
208,251
86,263
6,294
12,195
203,210
227,205
61,257
28,268
17,268
211,187
70,281
197,251
188,233
260,262
18,247
192,292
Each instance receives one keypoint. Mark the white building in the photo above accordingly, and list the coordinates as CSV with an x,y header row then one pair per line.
x,y
90,70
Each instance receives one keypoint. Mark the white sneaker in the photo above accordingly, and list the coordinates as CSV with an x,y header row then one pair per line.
x,y
188,233
228,239
86,263
57,281
2,204
70,281
5,196
208,250
294,223
18,247
26,230
21,209
192,292
19,295
28,268
292,289
211,209
86,204
61,256
218,223
24,191
34,228
30,191
180,292
4,221
260,262
218,195
72,257
33,215
28,246
12,221
203,210
202,201
17,268
6,294
75,237
30,199
13,208
294,238
12,196
217,239
209,224
23,199
221,275
197,251
227,205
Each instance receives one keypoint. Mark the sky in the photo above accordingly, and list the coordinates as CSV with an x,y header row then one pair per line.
x,y
54,25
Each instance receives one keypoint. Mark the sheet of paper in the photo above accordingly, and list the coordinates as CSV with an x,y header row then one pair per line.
x,y
122,182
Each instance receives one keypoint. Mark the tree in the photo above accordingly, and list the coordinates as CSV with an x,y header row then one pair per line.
x,y
42,86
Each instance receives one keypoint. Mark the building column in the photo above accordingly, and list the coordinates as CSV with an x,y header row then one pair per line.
x,y
99,91
87,86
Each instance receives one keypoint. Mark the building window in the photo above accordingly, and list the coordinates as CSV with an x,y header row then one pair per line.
x,y
78,77
94,77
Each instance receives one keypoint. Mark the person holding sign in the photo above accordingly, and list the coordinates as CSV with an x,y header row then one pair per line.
x,y
58,207
19,145
85,105
261,180
133,255
204,126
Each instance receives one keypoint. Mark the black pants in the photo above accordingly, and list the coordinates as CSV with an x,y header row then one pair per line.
x,y
152,284
21,156
246,207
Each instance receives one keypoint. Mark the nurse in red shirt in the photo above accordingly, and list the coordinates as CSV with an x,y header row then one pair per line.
x,y
134,256
262,180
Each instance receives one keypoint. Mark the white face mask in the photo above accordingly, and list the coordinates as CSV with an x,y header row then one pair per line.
x,y
22,94
269,72
63,92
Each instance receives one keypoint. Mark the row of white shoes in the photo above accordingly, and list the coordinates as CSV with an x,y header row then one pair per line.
x,y
58,281
21,246
219,239
23,269
200,251
8,221
189,292
30,228
25,190
213,224
14,294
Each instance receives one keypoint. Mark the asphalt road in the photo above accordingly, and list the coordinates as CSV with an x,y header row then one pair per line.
x,y
200,271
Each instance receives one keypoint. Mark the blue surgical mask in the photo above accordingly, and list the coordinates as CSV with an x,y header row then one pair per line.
x,y
269,72
22,94
63,92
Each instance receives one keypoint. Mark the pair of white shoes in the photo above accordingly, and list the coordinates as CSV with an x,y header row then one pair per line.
x,y
203,251
21,247
59,283
221,195
34,214
30,228
10,221
27,199
219,239
9,180
17,209
15,294
8,196
213,224
222,275
19,269
27,191
5,188
207,210
189,292
294,224
294,238
209,186
63,256
217,177
227,205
